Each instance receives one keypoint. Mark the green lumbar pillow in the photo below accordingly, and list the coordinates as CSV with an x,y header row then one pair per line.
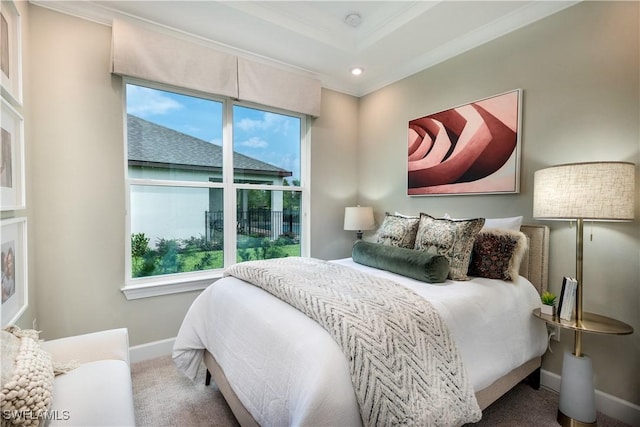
x,y
420,265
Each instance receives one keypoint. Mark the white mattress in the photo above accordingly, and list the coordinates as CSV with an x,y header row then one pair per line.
x,y
287,370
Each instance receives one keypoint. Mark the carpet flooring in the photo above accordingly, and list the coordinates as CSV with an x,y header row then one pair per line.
x,y
164,397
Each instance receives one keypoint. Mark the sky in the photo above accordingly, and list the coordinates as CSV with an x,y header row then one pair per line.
x,y
269,137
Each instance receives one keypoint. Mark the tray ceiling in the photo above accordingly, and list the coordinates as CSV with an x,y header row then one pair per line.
x,y
392,40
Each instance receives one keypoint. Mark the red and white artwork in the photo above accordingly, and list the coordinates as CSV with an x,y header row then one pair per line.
x,y
471,149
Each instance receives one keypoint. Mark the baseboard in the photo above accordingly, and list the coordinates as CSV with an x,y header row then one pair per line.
x,y
608,404
151,350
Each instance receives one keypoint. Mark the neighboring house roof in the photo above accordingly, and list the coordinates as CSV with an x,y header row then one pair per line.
x,y
150,144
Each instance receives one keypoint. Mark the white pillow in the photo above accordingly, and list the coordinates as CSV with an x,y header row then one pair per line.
x,y
508,223
396,213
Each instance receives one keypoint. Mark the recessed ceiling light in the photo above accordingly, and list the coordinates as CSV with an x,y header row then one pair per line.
x,y
353,19
356,71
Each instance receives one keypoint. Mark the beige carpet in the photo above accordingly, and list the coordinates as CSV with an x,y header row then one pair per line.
x,y
163,397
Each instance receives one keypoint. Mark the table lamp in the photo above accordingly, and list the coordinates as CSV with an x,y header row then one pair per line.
x,y
358,218
597,191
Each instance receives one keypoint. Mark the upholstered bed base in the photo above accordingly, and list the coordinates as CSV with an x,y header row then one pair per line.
x,y
485,396
534,267
215,371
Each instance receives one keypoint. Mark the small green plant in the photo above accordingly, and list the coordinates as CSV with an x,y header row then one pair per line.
x,y
548,298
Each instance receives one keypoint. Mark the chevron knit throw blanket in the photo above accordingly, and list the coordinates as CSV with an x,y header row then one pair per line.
x,y
404,365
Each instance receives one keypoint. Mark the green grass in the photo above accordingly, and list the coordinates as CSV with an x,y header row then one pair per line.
x,y
288,250
197,261
204,260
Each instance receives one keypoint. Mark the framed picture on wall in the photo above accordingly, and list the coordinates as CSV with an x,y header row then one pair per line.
x,y
14,269
12,174
470,149
10,51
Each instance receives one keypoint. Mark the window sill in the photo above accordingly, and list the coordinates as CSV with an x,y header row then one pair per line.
x,y
166,287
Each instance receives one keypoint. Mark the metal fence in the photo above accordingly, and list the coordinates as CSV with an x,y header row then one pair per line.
x,y
255,222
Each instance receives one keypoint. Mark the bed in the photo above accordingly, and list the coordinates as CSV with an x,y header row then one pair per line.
x,y
276,366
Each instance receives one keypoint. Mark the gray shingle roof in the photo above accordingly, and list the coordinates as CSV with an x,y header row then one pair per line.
x,y
150,143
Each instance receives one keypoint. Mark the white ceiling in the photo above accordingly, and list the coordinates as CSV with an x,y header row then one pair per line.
x,y
394,39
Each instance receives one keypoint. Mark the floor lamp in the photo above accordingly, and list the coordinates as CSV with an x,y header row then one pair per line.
x,y
598,191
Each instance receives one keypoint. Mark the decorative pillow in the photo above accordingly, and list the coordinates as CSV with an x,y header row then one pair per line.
x,y
507,223
497,254
419,265
27,377
453,239
397,231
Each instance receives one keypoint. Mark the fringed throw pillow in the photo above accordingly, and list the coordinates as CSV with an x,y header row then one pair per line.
x,y
27,378
497,254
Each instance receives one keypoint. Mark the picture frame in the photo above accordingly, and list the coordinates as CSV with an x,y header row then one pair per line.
x,y
11,51
474,148
12,169
15,294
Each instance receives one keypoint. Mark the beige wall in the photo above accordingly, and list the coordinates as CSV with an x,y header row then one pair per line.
x,y
77,188
580,73
334,181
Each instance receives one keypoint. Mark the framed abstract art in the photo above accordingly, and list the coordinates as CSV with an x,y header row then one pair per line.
x,y
10,51
470,149
12,171
14,269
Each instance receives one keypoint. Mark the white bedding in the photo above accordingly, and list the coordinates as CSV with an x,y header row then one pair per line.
x,y
286,370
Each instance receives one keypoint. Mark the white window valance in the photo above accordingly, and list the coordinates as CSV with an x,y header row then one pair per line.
x,y
158,57
138,52
268,85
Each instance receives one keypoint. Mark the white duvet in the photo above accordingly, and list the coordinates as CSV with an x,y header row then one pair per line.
x,y
287,370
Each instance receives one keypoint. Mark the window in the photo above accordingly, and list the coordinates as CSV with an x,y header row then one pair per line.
x,y
210,182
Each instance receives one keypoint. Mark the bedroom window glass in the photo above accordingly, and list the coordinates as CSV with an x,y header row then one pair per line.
x,y
174,171
169,240
268,224
210,182
267,147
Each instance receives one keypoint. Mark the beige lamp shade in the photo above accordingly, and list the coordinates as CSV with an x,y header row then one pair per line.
x,y
358,218
598,191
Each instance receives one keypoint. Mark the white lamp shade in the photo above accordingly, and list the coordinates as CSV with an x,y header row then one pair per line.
x,y
358,218
600,191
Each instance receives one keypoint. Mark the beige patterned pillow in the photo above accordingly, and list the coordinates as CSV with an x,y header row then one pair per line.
x,y
453,239
397,230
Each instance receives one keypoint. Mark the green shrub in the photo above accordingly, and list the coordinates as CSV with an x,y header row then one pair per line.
x,y
197,254
139,244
